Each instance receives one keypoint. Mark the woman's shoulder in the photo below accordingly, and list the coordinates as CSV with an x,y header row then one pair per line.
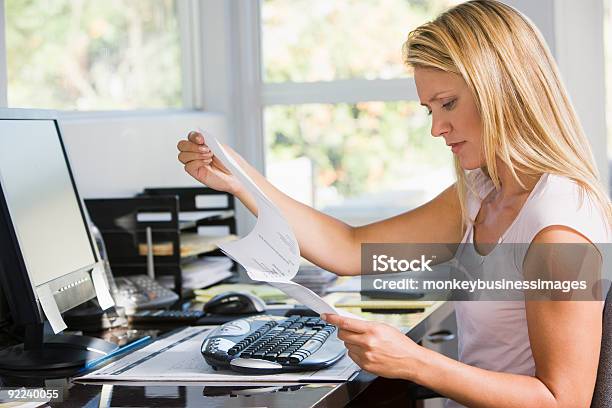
x,y
559,200
561,193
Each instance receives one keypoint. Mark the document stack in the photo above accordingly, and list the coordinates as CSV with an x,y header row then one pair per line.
x,y
267,293
201,273
314,278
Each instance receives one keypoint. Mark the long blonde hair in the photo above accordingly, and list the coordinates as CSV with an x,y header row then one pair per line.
x,y
528,121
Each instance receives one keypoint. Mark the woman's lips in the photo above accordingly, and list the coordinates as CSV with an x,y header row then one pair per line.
x,y
455,147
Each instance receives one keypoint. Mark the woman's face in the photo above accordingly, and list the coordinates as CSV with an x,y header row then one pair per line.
x,y
454,115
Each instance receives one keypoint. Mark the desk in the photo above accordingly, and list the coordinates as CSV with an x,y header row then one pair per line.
x,y
361,391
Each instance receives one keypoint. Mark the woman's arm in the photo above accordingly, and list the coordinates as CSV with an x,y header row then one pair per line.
x,y
324,240
336,246
565,340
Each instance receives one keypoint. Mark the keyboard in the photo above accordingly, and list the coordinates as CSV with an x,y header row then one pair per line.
x,y
160,317
267,344
140,292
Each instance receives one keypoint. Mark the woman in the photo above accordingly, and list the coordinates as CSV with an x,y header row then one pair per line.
x,y
525,173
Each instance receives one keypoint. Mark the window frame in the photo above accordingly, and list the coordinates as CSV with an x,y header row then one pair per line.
x,y
565,24
221,63
188,11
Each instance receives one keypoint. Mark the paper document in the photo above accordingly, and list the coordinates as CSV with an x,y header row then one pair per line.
x,y
177,358
270,252
50,309
99,281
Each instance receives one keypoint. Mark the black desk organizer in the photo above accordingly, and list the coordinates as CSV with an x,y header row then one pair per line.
x,y
188,197
120,220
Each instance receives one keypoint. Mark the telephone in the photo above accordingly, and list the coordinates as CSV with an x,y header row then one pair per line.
x,y
136,292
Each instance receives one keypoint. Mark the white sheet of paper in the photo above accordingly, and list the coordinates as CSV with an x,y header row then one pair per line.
x,y
305,296
177,359
270,252
102,293
49,307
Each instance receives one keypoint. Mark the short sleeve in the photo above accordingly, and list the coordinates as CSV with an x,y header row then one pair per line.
x,y
563,202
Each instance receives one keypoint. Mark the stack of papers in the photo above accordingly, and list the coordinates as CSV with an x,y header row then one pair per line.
x,y
354,300
177,358
314,278
201,272
267,293
192,244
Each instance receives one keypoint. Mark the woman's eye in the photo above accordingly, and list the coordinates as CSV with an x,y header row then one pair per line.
x,y
449,105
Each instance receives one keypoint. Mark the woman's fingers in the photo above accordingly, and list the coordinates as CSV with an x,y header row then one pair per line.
x,y
356,353
196,137
193,167
195,143
186,157
188,146
220,165
347,323
350,337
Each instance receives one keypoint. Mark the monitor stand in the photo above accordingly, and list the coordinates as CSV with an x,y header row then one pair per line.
x,y
55,352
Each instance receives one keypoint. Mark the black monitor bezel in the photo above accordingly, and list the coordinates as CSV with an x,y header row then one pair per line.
x,y
19,289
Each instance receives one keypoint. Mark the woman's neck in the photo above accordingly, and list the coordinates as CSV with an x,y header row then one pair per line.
x,y
510,187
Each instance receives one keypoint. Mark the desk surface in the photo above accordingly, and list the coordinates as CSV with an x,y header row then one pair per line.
x,y
303,395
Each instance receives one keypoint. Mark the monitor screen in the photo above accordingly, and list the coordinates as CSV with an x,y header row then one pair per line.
x,y
42,202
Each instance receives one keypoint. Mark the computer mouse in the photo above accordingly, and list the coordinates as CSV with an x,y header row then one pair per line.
x,y
230,303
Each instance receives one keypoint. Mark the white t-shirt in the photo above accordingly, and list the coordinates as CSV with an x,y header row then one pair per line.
x,y
493,334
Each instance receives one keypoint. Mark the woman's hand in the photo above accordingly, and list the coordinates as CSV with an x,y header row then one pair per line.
x,y
378,348
201,164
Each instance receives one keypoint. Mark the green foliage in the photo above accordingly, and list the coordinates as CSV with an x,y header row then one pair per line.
x,y
323,40
90,55
355,148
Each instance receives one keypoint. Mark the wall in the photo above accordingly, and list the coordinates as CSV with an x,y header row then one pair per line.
x,y
119,156
574,33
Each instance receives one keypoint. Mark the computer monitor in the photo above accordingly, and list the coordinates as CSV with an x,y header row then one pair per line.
x,y
45,242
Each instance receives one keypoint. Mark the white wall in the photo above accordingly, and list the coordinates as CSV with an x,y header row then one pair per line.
x,y
580,54
574,32
119,156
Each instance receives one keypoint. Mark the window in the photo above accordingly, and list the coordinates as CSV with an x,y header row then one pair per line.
x,y
608,75
93,55
365,160
343,129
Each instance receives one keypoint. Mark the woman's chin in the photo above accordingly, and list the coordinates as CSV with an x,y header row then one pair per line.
x,y
467,163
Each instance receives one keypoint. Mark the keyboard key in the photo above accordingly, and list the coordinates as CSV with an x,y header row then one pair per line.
x,y
295,358
311,346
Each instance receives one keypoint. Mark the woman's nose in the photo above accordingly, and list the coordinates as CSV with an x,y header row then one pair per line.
x,y
439,126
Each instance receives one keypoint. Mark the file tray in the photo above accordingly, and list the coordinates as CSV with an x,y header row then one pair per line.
x,y
149,231
124,231
176,358
200,206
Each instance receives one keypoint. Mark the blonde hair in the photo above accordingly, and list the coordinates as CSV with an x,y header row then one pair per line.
x,y
528,121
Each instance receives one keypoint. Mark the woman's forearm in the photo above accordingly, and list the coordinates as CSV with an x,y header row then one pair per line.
x,y
323,240
476,387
